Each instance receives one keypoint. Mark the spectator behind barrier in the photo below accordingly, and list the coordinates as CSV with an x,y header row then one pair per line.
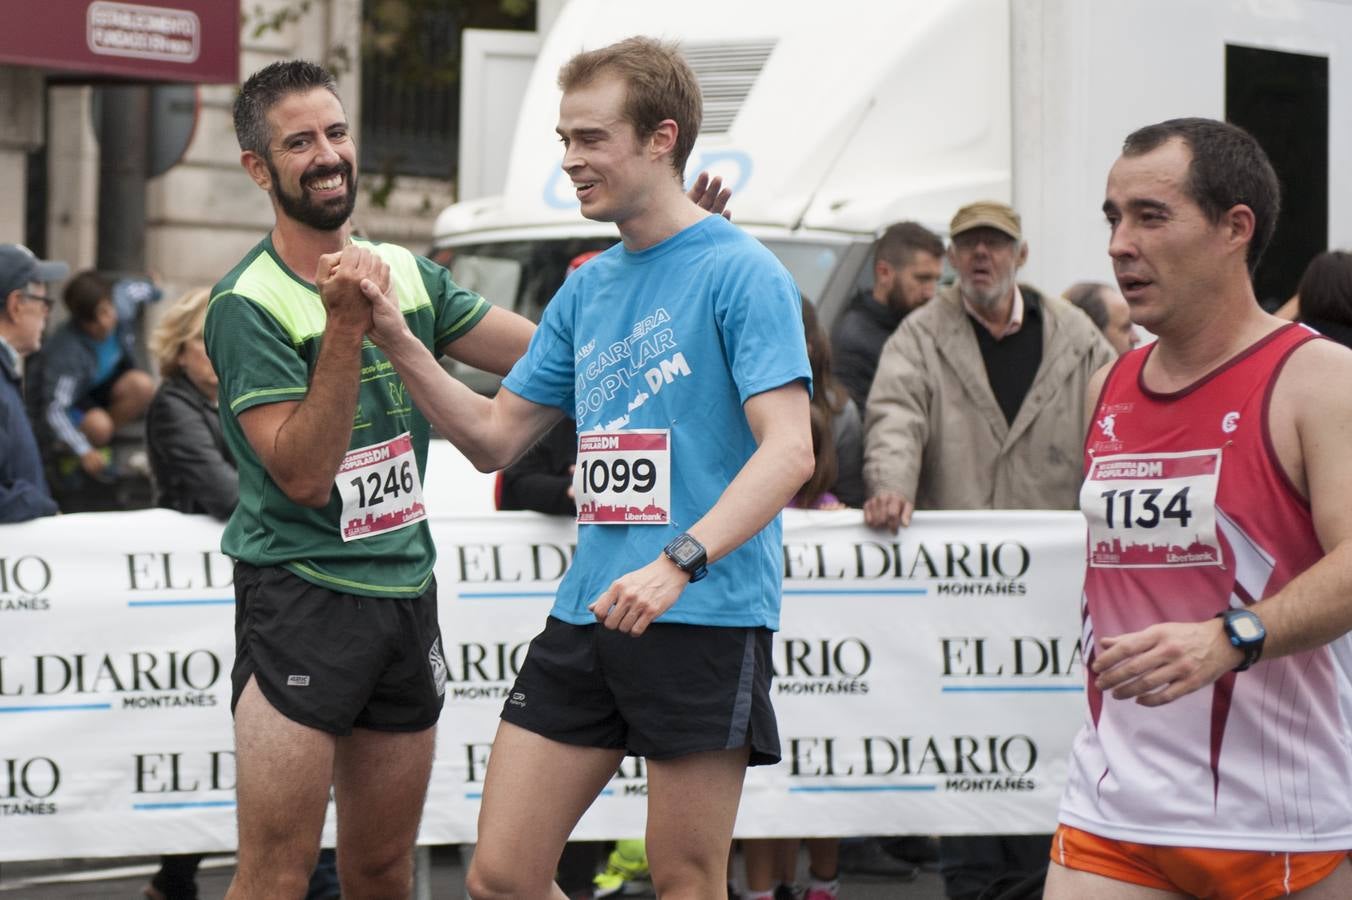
x,y
1108,310
85,385
837,482
907,263
192,468
24,306
979,403
837,431
1325,295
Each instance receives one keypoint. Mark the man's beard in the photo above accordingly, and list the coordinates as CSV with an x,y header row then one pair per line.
x,y
987,300
897,300
321,217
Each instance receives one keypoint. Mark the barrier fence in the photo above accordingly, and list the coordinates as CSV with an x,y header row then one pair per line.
x,y
925,683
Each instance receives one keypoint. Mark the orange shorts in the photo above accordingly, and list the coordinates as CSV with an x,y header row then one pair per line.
x,y
1196,871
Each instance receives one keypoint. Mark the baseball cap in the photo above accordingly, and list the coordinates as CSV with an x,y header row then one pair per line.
x,y
18,267
987,214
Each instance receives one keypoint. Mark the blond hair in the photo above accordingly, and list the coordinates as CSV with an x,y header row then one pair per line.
x,y
181,322
659,85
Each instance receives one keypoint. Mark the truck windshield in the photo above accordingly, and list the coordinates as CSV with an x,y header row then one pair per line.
x,y
524,275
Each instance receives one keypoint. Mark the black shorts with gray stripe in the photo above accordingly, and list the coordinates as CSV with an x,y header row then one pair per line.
x,y
675,690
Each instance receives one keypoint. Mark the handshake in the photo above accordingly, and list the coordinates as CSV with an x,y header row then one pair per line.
x,y
354,285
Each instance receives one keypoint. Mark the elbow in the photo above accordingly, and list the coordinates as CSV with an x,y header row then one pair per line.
x,y
487,460
802,462
309,492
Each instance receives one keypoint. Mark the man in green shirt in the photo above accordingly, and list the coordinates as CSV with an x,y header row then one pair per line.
x,y
339,674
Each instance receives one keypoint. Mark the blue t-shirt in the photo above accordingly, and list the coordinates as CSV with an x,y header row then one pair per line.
x,y
677,336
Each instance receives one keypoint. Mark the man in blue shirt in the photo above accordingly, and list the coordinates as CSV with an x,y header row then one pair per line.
x,y
680,353
23,316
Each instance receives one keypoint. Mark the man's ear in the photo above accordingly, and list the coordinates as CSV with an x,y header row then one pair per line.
x,y
11,305
662,141
1023,254
257,167
1240,226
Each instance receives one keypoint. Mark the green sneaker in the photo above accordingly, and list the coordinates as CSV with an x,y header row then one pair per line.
x,y
626,871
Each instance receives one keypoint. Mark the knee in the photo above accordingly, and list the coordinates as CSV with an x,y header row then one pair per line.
x,y
133,392
372,877
97,426
688,877
484,882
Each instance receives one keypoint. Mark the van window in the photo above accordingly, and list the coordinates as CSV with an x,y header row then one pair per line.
x,y
523,275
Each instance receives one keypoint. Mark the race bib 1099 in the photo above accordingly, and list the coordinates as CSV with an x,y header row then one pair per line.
x,y
623,477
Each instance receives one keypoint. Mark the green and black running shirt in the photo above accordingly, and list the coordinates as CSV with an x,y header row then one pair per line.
x,y
263,331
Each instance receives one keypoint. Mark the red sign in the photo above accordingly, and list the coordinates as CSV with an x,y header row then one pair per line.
x,y
155,40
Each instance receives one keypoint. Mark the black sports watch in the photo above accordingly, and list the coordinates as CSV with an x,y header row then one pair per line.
x,y
689,556
1245,631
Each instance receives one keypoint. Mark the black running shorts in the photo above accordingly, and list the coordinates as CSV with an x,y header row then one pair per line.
x,y
337,661
676,690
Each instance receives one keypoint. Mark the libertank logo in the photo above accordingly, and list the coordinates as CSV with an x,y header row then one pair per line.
x,y
29,786
24,583
952,762
136,679
829,666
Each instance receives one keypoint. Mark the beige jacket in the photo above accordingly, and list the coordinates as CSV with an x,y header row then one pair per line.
x,y
934,432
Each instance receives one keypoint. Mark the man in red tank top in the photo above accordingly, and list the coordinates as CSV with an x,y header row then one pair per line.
x,y
1214,759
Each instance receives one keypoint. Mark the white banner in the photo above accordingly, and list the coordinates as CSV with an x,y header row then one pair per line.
x,y
927,683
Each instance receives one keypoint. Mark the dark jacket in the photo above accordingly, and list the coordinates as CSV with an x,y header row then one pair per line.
x,y
857,341
192,468
540,479
23,489
59,378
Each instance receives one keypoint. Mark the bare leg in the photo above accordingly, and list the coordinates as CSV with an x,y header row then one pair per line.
x,y
380,783
761,861
130,397
692,804
1336,886
1073,884
823,858
535,790
97,426
283,774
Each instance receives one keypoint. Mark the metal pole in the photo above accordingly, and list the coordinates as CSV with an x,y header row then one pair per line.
x,y
124,124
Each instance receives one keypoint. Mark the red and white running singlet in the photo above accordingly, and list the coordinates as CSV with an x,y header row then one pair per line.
x,y
1189,512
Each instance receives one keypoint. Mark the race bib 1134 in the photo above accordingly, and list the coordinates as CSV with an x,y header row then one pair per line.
x,y
1152,510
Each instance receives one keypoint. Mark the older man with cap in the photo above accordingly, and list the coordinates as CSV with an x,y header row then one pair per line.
x,y
23,316
979,404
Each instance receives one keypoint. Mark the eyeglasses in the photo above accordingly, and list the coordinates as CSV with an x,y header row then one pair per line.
x,y
994,240
45,301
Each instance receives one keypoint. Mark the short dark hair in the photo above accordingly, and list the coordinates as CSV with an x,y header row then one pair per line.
x,y
1326,288
659,84
1088,296
901,241
1228,168
84,293
265,88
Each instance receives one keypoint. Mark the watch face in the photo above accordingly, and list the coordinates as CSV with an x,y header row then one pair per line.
x,y
1245,628
684,550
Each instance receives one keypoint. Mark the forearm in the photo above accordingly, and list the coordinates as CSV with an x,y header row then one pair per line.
x,y
1314,609
310,445
763,487
474,423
